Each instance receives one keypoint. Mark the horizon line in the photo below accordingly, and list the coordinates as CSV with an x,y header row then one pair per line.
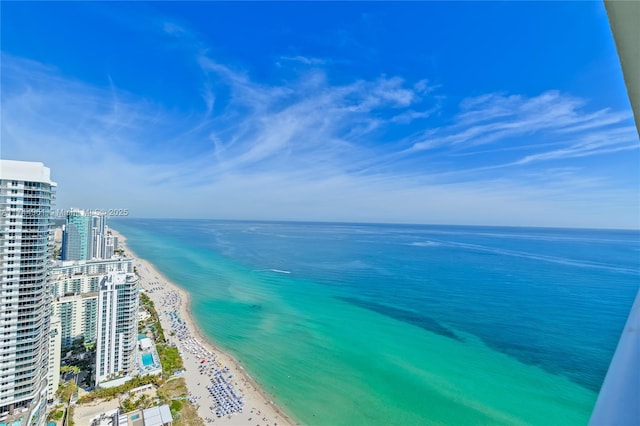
x,y
345,222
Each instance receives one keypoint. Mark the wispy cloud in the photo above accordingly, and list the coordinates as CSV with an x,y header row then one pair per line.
x,y
498,119
173,29
305,148
306,60
601,142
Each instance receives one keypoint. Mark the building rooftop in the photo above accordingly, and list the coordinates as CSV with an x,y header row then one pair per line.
x,y
154,416
25,171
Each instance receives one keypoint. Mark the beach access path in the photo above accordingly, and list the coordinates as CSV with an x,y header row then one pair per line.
x,y
170,301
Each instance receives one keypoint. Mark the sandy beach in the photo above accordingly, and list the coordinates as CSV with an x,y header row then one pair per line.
x,y
202,359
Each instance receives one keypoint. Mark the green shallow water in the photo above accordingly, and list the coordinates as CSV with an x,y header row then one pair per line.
x,y
328,362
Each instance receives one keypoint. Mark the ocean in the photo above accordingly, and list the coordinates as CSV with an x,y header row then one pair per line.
x,y
366,324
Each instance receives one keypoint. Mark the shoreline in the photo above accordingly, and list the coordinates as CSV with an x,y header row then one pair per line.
x,y
260,409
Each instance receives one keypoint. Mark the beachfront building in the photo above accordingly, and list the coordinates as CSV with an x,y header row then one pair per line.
x,y
98,235
117,334
75,286
77,313
26,245
86,236
77,241
53,370
92,267
110,246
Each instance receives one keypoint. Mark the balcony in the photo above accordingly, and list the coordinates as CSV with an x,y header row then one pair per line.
x,y
618,399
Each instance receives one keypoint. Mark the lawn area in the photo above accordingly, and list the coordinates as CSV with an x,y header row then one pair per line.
x,y
170,359
184,412
110,393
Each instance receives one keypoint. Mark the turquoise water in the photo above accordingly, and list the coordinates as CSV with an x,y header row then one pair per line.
x,y
383,324
147,360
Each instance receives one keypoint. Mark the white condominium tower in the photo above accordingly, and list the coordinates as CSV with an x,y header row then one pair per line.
x,y
98,235
26,198
117,328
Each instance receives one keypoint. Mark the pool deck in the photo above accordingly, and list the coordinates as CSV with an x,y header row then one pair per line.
x,y
154,368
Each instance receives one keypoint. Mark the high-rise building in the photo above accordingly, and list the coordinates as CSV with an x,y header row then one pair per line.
x,y
85,236
77,238
53,370
26,245
97,300
75,286
116,346
98,235
111,245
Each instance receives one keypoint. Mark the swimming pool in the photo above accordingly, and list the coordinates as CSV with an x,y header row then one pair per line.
x,y
147,360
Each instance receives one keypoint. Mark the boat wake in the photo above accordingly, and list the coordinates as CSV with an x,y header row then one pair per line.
x,y
280,271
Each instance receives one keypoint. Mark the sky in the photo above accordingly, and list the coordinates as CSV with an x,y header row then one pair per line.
x,y
479,113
